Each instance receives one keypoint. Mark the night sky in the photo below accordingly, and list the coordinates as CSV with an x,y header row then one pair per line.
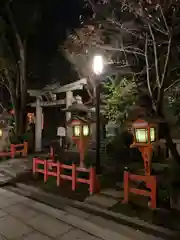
x,y
45,62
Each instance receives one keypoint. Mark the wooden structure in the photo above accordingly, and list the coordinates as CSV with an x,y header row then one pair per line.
x,y
150,182
145,134
16,149
81,136
39,104
50,168
80,124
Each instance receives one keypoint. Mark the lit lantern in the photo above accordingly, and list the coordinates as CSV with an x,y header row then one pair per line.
x,y
81,134
76,131
80,125
145,134
1,133
80,129
86,130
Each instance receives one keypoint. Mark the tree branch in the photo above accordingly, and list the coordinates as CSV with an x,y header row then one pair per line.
x,y
147,66
166,62
109,48
164,19
172,85
155,56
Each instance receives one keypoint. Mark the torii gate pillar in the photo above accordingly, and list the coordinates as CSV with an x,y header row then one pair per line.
x,y
38,126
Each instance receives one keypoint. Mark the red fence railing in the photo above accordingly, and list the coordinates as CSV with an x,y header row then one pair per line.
x,y
150,182
55,169
16,149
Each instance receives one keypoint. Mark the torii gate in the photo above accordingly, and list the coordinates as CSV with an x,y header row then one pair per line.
x,y
39,104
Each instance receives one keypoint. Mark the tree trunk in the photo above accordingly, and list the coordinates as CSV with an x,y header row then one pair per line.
x,y
174,164
23,87
170,143
166,129
21,95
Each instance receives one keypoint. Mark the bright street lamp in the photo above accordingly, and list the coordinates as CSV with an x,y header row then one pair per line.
x,y
98,66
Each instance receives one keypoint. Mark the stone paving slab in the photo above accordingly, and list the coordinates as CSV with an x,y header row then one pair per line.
x,y
21,211
76,234
101,200
77,212
48,225
35,236
4,178
25,219
121,229
11,168
112,193
12,228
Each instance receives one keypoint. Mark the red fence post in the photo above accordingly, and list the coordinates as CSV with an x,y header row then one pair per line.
x,y
58,173
45,170
92,180
13,150
34,165
25,149
126,187
153,192
73,177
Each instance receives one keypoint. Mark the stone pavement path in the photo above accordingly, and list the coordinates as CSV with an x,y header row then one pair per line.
x,y
24,219
11,168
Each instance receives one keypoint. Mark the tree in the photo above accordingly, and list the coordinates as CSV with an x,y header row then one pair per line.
x,y
119,99
145,36
14,33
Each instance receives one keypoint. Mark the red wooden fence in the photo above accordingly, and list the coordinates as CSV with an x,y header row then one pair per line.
x,y
150,183
55,169
14,150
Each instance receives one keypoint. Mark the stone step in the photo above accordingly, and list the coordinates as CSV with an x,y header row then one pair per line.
x,y
112,193
101,201
4,179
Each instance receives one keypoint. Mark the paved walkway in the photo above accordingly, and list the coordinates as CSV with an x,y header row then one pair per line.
x,y
11,168
25,219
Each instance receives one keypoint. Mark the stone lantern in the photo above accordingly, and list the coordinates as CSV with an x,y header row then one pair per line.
x,y
5,131
145,130
80,124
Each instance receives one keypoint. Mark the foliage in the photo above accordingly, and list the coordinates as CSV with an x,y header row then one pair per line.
x,y
142,37
119,100
141,34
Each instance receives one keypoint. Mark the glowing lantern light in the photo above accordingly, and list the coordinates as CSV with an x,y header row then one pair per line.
x,y
77,131
86,130
144,136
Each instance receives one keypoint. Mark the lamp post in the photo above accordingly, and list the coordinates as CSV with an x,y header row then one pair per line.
x,y
98,66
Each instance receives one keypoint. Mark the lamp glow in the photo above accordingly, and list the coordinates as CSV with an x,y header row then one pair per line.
x,y
77,131
141,135
98,64
85,130
152,134
1,132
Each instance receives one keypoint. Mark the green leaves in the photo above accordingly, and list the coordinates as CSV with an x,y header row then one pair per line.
x,y
119,100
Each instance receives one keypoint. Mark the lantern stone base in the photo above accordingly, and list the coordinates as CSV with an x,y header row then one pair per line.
x,y
5,140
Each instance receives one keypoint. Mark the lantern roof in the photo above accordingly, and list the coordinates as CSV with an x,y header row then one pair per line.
x,y
83,119
77,107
